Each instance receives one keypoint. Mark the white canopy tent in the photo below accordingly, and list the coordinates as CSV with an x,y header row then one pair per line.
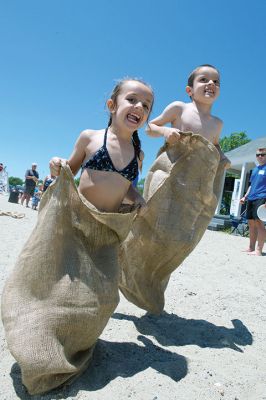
x,y
243,159
4,187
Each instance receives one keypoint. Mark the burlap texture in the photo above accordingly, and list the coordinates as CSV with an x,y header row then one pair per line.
x,y
181,191
64,286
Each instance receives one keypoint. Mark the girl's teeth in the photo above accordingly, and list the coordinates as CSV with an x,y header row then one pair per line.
x,y
134,117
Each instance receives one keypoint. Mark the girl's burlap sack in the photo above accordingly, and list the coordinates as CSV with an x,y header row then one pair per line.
x,y
64,286
181,191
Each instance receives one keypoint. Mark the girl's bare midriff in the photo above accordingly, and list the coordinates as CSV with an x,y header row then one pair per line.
x,y
105,190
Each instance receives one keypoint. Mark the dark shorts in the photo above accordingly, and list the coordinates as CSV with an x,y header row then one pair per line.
x,y
29,190
252,206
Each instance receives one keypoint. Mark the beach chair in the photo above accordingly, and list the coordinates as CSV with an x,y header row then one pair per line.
x,y
239,225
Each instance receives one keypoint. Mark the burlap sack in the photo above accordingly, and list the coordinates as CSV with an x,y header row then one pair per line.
x,y
181,191
64,286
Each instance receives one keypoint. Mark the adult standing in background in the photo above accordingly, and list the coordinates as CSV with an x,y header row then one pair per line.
x,y
256,196
31,179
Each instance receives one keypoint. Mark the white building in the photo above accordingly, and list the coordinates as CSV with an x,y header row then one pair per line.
x,y
243,160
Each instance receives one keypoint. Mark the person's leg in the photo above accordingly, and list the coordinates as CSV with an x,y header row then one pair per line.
x,y
259,228
252,227
253,233
23,197
261,236
256,227
27,199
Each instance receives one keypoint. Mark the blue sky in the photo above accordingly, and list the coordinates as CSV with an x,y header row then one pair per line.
x,y
60,60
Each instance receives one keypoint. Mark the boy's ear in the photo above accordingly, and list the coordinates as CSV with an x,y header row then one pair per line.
x,y
111,106
189,91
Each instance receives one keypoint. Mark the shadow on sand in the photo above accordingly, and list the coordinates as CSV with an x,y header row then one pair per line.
x,y
171,330
111,360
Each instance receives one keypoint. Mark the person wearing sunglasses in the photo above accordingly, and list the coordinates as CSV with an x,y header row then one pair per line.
x,y
256,196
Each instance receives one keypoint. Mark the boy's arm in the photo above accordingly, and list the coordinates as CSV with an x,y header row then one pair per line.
x,y
226,161
171,114
219,127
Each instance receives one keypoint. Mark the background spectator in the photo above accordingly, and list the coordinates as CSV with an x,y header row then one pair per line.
x,y
31,179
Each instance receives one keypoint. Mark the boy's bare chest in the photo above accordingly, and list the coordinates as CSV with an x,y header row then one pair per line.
x,y
205,126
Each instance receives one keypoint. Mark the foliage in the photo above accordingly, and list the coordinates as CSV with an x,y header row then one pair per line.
x,y
77,181
233,141
226,203
14,181
140,186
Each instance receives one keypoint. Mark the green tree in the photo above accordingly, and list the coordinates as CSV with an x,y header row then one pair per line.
x,y
233,141
140,186
13,181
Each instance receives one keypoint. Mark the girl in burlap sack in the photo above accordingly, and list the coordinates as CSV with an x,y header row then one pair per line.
x,y
110,158
64,286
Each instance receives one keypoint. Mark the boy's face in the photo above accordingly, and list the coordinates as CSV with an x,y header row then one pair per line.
x,y
206,85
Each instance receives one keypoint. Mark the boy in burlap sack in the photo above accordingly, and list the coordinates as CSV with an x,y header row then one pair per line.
x,y
191,185
203,88
181,192
64,287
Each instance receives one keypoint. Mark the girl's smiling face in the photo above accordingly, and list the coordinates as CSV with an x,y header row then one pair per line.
x,y
132,105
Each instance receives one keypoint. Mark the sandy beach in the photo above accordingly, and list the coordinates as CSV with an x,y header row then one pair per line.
x,y
209,343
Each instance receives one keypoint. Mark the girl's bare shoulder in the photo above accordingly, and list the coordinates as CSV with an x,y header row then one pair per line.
x,y
91,132
87,134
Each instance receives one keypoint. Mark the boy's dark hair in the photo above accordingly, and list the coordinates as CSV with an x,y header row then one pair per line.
x,y
135,137
191,77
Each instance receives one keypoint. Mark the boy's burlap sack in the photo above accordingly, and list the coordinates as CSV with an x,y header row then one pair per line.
x,y
180,190
64,286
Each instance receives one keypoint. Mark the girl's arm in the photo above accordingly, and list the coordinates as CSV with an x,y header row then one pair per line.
x,y
79,152
76,158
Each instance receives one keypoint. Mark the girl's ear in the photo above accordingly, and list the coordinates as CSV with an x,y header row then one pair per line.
x,y
111,106
189,90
